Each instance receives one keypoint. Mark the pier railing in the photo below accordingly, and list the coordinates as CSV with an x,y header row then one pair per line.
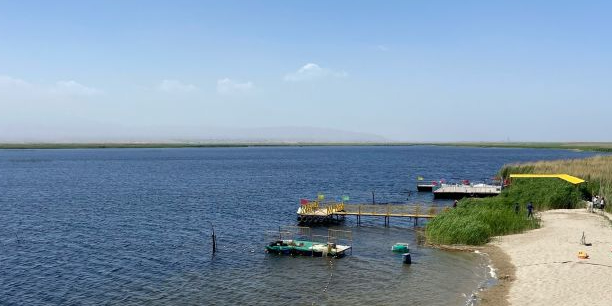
x,y
312,213
340,208
309,208
391,210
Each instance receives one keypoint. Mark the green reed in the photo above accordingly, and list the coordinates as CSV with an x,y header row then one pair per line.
x,y
475,221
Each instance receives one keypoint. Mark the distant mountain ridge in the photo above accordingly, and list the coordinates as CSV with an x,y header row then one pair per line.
x,y
173,134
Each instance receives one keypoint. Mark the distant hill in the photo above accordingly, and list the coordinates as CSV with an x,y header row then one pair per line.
x,y
169,134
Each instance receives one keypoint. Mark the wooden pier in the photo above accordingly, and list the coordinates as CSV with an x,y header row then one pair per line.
x,y
313,213
466,191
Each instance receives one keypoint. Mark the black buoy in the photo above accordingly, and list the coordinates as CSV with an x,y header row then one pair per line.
x,y
407,258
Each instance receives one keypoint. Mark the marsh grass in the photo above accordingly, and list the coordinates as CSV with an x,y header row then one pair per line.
x,y
475,221
597,171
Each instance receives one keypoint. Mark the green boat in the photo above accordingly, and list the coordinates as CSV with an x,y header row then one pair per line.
x,y
306,248
400,247
299,241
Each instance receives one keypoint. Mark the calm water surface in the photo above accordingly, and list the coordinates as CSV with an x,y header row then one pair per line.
x,y
132,226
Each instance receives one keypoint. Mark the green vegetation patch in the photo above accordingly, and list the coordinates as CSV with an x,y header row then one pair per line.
x,y
597,171
475,221
545,193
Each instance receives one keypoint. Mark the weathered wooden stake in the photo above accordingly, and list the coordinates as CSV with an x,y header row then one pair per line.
x,y
214,240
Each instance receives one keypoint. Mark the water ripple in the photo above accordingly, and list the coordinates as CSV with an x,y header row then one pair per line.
x,y
132,226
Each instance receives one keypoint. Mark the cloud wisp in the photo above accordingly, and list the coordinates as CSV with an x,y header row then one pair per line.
x,y
7,82
313,71
73,88
18,88
176,86
227,86
382,48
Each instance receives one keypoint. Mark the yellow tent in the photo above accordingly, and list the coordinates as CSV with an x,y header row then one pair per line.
x,y
566,177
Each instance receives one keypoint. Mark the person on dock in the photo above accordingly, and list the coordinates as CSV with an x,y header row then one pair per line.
x,y
516,208
455,204
529,210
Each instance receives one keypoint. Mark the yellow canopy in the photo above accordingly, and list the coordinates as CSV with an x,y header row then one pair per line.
x,y
566,177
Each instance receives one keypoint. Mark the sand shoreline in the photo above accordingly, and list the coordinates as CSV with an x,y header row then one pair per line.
x,y
541,267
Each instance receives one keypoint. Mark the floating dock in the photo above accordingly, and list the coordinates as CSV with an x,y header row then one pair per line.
x,y
446,191
333,212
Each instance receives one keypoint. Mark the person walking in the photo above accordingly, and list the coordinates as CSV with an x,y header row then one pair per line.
x,y
455,204
529,210
516,208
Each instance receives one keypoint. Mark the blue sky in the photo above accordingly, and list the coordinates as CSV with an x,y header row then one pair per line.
x,y
405,70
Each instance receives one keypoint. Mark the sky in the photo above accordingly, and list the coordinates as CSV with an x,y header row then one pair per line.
x,y
399,70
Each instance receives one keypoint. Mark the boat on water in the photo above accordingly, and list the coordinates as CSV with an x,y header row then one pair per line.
x,y
425,187
299,241
401,247
307,248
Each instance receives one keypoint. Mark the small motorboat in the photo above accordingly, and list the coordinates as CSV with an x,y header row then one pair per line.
x,y
422,186
307,248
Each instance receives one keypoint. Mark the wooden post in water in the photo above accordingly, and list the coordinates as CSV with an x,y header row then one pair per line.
x,y
388,218
214,240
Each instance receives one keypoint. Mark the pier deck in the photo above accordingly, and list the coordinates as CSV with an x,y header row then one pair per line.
x,y
334,212
465,191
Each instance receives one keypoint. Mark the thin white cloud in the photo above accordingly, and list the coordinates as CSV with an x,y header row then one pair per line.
x,y
175,86
227,86
74,88
8,82
313,71
16,88
382,48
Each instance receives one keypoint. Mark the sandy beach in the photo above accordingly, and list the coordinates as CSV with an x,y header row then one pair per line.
x,y
541,267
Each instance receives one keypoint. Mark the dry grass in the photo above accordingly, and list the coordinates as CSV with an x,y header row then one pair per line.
x,y
596,170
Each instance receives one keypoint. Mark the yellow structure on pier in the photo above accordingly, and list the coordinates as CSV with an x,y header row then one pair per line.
x,y
566,177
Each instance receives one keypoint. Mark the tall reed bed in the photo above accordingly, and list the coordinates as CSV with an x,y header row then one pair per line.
x,y
596,170
475,221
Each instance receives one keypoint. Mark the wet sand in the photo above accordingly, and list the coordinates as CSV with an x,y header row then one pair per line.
x,y
541,267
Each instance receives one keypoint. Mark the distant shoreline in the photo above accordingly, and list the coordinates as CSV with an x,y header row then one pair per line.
x,y
582,146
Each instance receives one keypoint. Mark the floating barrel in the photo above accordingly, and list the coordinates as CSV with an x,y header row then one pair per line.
x,y
407,259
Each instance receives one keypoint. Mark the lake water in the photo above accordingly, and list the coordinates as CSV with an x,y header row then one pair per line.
x,y
132,226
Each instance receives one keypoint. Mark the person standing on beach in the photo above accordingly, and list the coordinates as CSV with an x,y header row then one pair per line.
x,y
529,210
